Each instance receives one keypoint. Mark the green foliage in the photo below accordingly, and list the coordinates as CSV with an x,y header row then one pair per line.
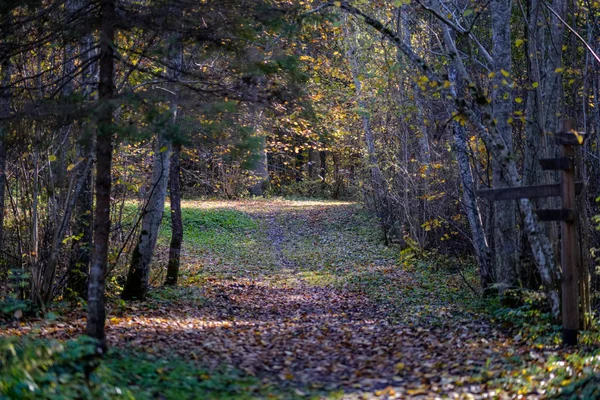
x,y
562,376
530,319
12,303
34,369
48,369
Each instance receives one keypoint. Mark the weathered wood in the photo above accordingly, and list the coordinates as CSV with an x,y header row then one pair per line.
x,y
554,164
569,249
561,214
569,138
514,193
519,192
567,134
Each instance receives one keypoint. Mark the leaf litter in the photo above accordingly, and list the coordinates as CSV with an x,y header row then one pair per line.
x,y
284,309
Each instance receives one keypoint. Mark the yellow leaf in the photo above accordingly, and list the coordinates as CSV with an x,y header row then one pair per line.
x,y
535,84
491,75
163,149
505,72
559,70
337,3
70,167
446,84
52,158
519,42
519,100
510,120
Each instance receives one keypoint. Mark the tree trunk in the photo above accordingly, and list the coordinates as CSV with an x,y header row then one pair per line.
x,y
82,229
104,145
77,279
505,212
479,240
5,98
261,170
376,177
176,222
138,276
323,167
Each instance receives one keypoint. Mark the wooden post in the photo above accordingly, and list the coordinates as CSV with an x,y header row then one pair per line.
x,y
567,138
569,247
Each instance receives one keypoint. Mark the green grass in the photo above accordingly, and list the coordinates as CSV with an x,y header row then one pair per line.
x,y
209,229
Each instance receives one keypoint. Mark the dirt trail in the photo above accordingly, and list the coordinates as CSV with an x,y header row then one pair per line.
x,y
294,324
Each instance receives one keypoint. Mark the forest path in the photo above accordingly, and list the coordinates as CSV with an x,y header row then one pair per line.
x,y
303,295
308,298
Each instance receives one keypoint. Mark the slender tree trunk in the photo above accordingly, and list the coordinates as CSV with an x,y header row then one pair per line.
x,y
543,100
137,283
323,167
176,221
104,147
136,286
5,99
480,244
77,279
261,170
376,177
424,150
505,212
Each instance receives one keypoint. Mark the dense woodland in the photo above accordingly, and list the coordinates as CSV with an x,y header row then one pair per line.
x,y
115,114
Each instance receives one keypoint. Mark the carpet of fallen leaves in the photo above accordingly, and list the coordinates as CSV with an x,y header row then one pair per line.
x,y
279,309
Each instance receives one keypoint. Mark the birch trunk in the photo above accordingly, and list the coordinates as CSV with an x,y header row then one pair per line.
x,y
540,245
376,177
138,276
479,240
505,213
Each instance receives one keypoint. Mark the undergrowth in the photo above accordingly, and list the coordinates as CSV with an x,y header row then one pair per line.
x,y
48,369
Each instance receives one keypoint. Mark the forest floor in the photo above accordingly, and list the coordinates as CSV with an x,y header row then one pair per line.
x,y
301,299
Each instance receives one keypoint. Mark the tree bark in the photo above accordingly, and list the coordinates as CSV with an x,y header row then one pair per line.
x,y
505,213
176,221
138,276
104,147
376,177
137,283
479,240
5,99
83,222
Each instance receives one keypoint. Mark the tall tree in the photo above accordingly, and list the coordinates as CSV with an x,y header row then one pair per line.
x,y
505,213
104,148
